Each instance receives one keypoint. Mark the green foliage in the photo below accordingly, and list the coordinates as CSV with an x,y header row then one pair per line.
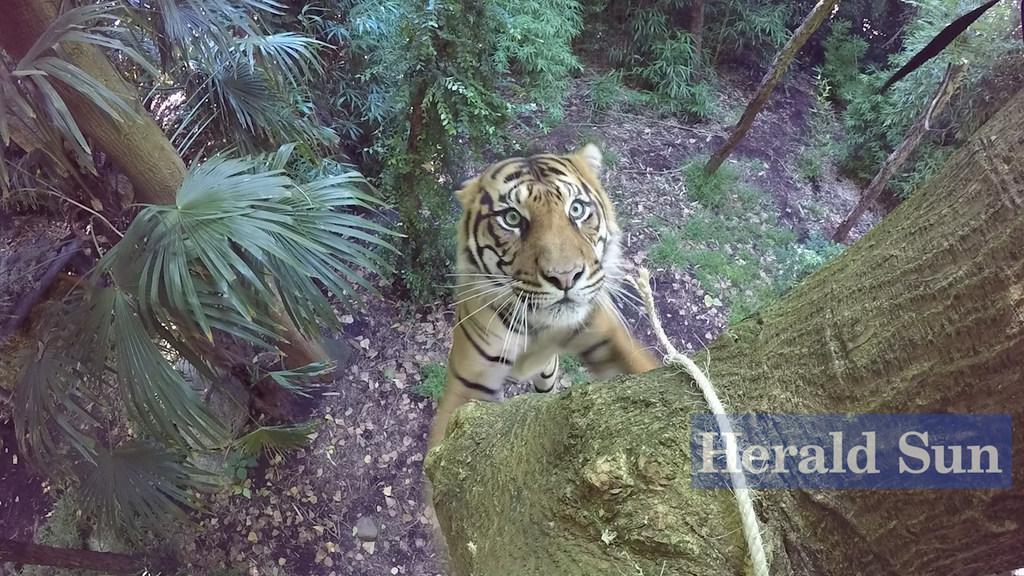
x,y
673,74
821,148
843,55
64,527
535,46
607,92
573,369
712,191
136,484
235,82
876,123
746,29
733,245
274,439
241,234
432,383
55,146
426,83
793,263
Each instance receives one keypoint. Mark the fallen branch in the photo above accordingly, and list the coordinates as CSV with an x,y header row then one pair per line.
x,y
25,306
37,554
895,160
821,10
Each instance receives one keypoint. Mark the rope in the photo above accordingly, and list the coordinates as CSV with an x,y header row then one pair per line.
x,y
751,528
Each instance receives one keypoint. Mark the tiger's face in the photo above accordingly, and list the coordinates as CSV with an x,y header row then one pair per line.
x,y
538,238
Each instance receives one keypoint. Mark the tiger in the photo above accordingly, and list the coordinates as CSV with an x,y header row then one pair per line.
x,y
538,259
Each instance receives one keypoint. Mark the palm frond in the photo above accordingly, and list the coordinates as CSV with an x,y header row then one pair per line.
x,y
292,380
275,439
138,484
236,224
292,54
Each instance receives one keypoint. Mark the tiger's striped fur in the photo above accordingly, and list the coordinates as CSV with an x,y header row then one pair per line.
x,y
538,257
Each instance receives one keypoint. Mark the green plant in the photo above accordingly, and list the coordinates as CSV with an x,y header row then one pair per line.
x,y
876,123
792,263
432,382
820,149
573,369
710,191
843,55
536,43
606,92
241,235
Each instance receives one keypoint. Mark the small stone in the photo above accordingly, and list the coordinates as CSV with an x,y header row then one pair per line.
x,y
366,529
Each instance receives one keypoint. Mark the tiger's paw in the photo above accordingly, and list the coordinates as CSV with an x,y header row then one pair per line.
x,y
545,382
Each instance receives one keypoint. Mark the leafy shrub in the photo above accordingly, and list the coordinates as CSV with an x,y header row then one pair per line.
x,y
426,84
712,191
536,45
821,148
242,239
843,55
673,74
607,91
433,380
746,30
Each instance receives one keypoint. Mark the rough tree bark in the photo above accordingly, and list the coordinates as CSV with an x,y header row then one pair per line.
x,y
764,90
945,91
925,313
138,147
105,562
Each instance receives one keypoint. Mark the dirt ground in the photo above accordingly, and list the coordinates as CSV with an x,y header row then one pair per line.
x,y
352,502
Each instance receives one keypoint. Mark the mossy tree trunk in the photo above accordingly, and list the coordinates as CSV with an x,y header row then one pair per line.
x,y
137,146
923,314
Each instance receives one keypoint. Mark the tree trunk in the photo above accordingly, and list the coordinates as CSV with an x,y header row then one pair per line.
x,y
923,314
697,27
779,67
945,91
137,147
105,562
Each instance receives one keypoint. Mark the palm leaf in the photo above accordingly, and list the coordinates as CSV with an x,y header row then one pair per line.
x,y
292,54
275,439
292,380
136,485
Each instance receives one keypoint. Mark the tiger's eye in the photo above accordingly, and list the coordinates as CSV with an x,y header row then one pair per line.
x,y
577,210
511,218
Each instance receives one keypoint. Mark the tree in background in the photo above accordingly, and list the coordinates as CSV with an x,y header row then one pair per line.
x,y
875,123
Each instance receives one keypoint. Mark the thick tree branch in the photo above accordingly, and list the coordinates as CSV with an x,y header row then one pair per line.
x,y
922,314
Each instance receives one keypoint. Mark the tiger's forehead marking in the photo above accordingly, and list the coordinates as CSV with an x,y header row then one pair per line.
x,y
541,179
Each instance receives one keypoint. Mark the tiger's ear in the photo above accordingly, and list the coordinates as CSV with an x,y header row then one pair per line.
x,y
468,191
590,154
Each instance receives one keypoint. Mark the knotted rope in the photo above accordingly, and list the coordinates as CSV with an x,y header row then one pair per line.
x,y
751,527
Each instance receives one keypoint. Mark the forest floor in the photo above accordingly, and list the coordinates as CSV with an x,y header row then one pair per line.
x,y
352,502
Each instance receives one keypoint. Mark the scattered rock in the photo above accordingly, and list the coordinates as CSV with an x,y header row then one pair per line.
x,y
366,529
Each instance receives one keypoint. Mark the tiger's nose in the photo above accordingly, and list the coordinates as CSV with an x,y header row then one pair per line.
x,y
563,280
